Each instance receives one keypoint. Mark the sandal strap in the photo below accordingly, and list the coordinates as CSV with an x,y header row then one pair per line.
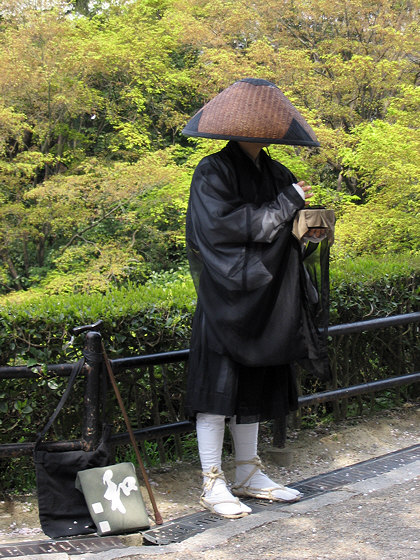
x,y
263,493
215,501
256,461
212,475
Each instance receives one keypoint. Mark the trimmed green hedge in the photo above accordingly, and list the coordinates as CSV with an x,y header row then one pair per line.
x,y
367,288
156,317
137,319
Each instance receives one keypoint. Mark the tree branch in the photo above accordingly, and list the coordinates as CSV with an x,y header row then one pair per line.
x,y
91,226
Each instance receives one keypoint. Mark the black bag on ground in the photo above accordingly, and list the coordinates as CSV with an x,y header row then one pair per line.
x,y
62,508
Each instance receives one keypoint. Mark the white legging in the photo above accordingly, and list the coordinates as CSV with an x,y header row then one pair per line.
x,y
210,435
210,432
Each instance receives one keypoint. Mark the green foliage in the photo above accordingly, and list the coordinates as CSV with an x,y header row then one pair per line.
x,y
388,221
94,173
151,317
17,476
93,97
369,287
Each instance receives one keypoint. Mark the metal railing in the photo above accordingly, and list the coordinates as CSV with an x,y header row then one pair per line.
x,y
93,369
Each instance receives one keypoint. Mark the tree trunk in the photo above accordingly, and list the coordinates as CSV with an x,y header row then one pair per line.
x,y
25,253
13,272
40,253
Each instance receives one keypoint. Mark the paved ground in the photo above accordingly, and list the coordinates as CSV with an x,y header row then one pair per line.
x,y
375,519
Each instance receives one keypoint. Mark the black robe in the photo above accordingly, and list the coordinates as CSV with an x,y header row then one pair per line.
x,y
251,323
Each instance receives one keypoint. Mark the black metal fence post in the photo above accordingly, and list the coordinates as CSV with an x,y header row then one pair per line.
x,y
279,432
93,369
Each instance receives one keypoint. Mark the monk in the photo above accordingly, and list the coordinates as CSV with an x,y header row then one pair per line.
x,y
252,320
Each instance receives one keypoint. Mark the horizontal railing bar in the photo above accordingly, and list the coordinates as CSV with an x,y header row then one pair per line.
x,y
151,359
181,355
362,389
24,372
27,448
372,324
152,432
345,328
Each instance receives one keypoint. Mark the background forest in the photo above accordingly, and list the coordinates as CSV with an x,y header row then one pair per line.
x,y
94,173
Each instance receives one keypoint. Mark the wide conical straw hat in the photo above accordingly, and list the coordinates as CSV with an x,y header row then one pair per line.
x,y
252,110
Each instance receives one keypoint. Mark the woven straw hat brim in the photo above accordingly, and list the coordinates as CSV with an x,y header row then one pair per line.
x,y
252,111
256,139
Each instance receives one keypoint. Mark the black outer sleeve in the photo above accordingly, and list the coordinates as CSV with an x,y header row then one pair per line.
x,y
230,234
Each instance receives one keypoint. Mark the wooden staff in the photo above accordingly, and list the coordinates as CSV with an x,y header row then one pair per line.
x,y
158,517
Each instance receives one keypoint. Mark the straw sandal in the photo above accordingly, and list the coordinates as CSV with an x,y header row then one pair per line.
x,y
212,502
242,490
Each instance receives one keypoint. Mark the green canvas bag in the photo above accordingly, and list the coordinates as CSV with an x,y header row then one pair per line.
x,y
113,498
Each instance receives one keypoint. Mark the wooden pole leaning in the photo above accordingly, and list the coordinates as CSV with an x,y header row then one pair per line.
x,y
158,517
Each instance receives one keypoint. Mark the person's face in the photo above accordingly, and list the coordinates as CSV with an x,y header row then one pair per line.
x,y
253,148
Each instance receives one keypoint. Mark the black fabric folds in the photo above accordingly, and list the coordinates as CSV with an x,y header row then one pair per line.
x,y
316,265
251,321
62,508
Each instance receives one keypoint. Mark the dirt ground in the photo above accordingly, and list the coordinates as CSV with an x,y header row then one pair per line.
x,y
311,452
